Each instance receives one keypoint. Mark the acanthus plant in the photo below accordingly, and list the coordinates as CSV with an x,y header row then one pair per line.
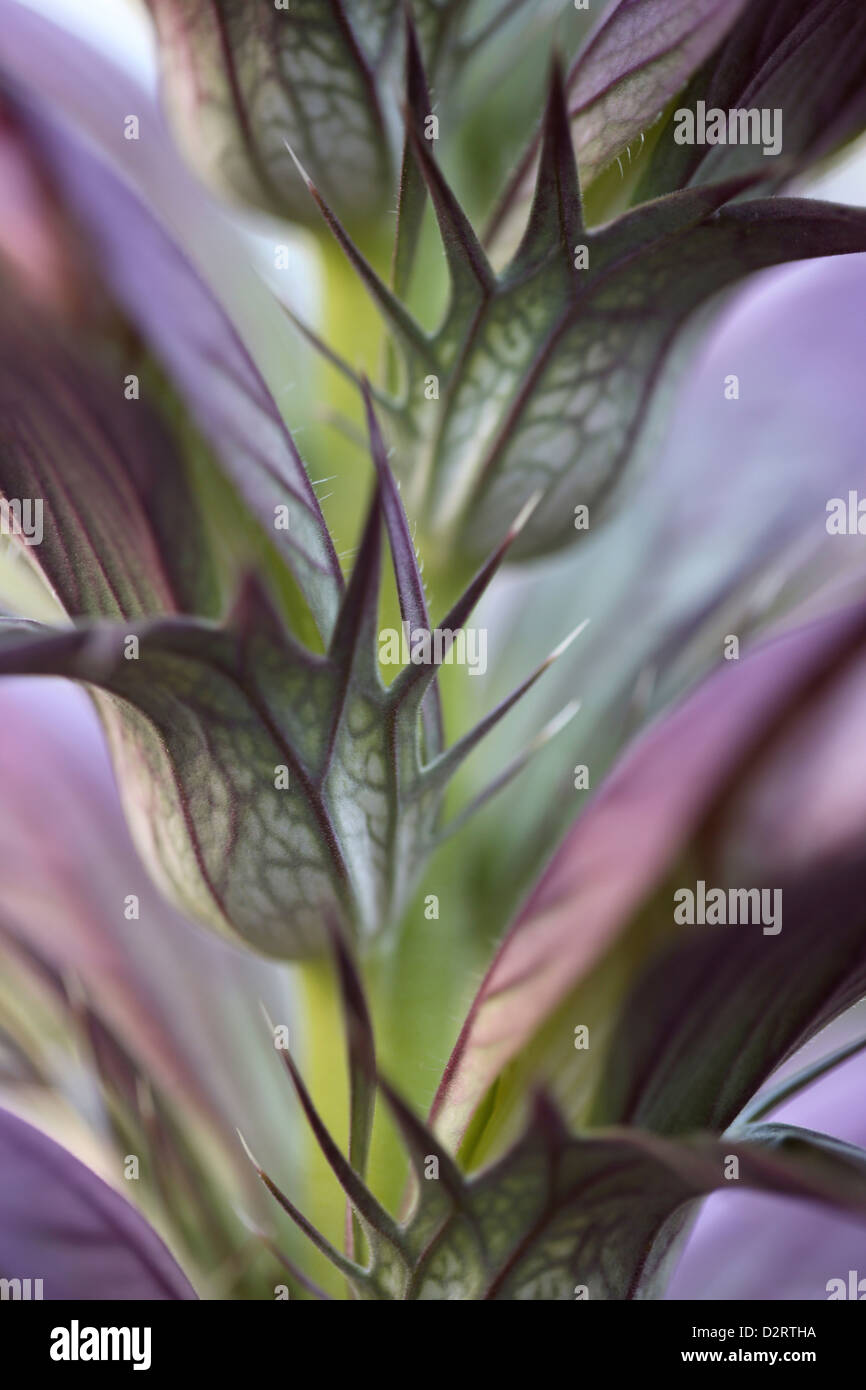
x,y
277,787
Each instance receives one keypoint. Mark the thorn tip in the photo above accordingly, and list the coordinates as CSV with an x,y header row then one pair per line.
x,y
566,642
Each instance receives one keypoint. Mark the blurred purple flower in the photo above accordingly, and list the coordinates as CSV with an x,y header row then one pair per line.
x,y
749,1246
62,1227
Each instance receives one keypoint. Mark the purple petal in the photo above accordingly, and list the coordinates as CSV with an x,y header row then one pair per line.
x,y
661,790
156,283
746,1246
63,1225
67,866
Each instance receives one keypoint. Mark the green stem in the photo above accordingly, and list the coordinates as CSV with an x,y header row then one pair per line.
x,y
322,1056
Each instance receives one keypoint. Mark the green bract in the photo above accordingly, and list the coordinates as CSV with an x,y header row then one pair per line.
x,y
271,789
540,376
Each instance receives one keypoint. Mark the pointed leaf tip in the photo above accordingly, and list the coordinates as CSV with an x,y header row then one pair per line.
x,y
523,516
470,269
447,764
417,90
564,645
410,585
249,1153
413,189
556,215
555,725
419,676
396,316
511,770
378,1221
413,605
302,171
